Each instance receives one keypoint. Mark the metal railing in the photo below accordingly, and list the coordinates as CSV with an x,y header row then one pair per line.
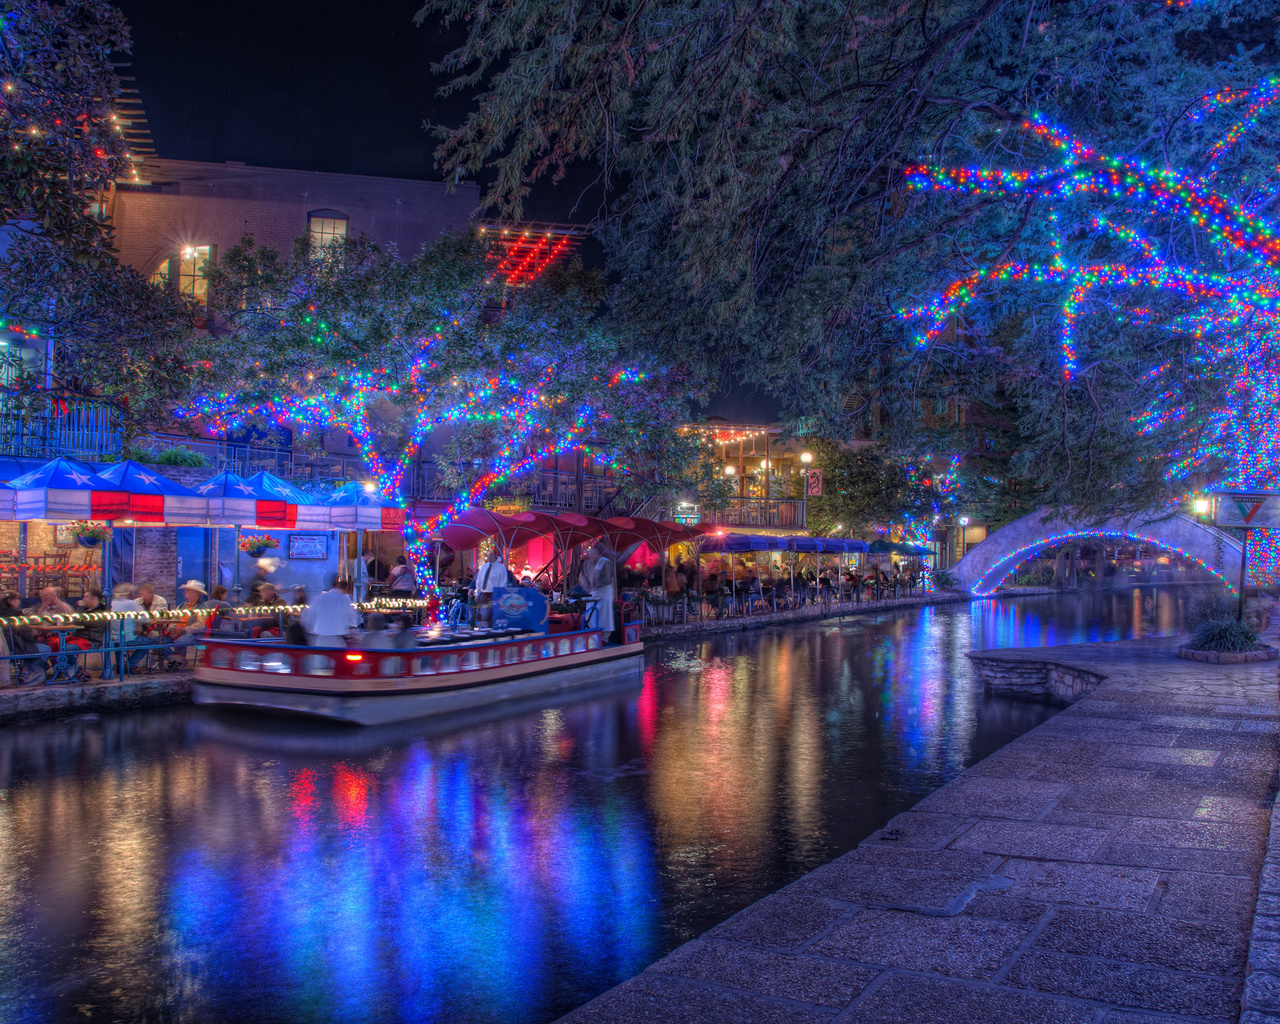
x,y
757,512
247,459
45,427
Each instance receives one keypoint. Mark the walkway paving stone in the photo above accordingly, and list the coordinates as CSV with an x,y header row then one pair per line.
x,y
1113,866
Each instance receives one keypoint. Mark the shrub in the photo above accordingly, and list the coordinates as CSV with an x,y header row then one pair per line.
x,y
1209,604
1224,634
181,455
943,579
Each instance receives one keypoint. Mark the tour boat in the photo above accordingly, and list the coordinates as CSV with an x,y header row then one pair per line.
x,y
447,672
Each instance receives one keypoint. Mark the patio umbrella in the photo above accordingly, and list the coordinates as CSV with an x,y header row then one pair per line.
x,y
63,489
154,498
351,507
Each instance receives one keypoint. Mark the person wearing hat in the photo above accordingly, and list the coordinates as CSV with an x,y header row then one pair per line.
x,y
189,632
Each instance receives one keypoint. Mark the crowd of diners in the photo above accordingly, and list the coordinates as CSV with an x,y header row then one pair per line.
x,y
36,652
743,588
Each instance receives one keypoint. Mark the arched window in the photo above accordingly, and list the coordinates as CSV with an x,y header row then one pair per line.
x,y
326,227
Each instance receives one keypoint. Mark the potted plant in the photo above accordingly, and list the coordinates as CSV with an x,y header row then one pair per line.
x,y
1218,637
256,546
90,534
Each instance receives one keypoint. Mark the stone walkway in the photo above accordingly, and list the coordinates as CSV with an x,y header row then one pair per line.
x,y
1101,869
53,700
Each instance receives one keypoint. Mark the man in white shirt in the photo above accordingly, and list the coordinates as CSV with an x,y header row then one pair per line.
x,y
492,574
599,571
331,616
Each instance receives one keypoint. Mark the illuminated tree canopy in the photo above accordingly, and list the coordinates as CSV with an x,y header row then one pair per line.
x,y
433,350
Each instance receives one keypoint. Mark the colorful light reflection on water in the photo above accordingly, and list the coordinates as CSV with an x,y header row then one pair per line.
x,y
180,866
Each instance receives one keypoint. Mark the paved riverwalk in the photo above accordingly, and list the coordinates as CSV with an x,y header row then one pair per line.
x,y
1101,869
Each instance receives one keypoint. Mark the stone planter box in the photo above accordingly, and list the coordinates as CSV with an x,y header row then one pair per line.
x,y
1266,653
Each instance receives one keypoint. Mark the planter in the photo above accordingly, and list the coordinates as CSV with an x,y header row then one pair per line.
x,y
257,552
89,542
1263,653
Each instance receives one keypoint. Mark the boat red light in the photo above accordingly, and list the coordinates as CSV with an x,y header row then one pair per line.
x,y
355,657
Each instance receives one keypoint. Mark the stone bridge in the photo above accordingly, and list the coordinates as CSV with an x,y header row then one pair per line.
x,y
989,562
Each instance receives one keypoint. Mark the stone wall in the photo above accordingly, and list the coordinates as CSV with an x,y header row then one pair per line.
x,y
1038,680
34,702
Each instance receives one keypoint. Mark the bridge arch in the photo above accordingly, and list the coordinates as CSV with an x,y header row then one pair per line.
x,y
989,562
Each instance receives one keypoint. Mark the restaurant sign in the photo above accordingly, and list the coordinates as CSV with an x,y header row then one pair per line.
x,y
1252,510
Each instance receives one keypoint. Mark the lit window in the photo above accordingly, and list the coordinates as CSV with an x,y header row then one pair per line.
x,y
327,226
192,262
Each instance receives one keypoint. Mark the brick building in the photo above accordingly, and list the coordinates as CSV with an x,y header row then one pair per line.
x,y
180,213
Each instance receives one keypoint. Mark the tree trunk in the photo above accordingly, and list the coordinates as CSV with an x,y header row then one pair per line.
x,y
1059,568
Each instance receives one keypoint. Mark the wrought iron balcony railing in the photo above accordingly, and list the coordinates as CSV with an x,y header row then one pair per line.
x,y
79,428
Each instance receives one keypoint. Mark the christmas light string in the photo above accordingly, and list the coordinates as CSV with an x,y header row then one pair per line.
x,y
1223,407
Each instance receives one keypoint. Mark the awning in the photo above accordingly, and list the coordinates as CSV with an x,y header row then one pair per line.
x,y
738,542
63,489
154,498
352,507
805,544
844,545
475,525
280,504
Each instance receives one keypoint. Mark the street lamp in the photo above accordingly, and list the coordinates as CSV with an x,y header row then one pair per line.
x,y
1202,506
964,524
806,457
729,471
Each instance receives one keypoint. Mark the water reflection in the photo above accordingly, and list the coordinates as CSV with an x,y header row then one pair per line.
x,y
178,865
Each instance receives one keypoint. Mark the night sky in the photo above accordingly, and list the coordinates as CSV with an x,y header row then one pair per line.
x,y
323,86
315,86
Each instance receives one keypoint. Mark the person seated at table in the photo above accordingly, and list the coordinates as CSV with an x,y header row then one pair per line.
x,y
671,583
122,601
90,635
22,641
266,598
188,631
51,603
711,591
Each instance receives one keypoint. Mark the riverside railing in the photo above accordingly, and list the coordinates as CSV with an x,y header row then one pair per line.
x,y
129,642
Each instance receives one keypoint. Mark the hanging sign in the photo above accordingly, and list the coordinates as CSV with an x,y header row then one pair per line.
x,y
1250,510
813,488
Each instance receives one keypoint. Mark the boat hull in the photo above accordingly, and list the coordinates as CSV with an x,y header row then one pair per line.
x,y
410,698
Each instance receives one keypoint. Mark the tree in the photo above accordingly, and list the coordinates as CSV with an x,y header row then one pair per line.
x,y
408,353
761,217
867,487
62,148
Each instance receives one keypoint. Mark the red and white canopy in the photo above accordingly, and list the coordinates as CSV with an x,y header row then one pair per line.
x,y
262,500
154,498
351,507
63,489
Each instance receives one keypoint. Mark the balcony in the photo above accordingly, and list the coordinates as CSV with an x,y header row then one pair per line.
x,y
787,513
79,428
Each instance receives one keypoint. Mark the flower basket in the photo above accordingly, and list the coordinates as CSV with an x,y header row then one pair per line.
x,y
90,534
257,546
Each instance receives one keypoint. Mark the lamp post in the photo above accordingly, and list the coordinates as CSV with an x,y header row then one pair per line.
x,y
964,524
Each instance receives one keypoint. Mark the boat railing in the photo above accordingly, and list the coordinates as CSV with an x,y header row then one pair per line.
x,y
388,667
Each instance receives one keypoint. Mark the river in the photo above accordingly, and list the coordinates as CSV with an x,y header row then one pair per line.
x,y
182,865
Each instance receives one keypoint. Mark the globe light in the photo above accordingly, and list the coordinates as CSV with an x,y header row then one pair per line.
x,y
764,463
729,471
964,520
806,457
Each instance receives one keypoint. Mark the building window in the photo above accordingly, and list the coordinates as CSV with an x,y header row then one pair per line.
x,y
940,405
326,227
192,263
